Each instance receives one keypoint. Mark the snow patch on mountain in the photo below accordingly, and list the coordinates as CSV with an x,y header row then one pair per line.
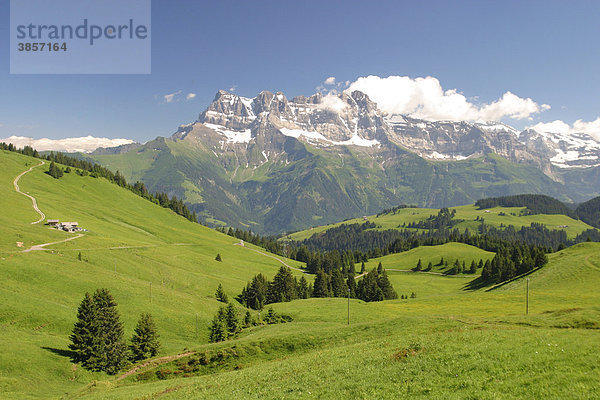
x,y
232,136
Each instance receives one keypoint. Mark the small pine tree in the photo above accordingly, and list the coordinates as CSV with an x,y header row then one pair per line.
x,y
362,268
413,295
218,257
218,327
429,266
248,320
419,265
221,295
232,321
144,342
473,267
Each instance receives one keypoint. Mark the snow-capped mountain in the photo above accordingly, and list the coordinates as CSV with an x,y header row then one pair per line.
x,y
271,164
352,119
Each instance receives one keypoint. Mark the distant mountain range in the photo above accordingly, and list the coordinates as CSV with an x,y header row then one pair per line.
x,y
271,164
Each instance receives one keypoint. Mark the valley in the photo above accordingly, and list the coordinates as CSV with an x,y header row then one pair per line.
x,y
449,340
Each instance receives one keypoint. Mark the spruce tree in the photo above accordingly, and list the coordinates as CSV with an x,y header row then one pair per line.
x,y
144,342
85,341
379,268
221,295
338,286
362,268
321,286
112,352
218,257
283,287
218,327
419,265
351,283
232,321
386,286
303,292
429,266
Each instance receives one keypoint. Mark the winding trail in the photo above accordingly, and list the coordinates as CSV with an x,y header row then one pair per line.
x,y
241,243
34,201
39,247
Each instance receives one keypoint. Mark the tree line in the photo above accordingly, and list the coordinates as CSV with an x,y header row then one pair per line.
x,y
97,171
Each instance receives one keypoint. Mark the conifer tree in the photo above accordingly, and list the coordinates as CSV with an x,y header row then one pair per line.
x,y
221,295
419,265
247,319
351,283
232,321
338,286
283,287
84,338
429,266
321,285
144,342
379,268
303,292
112,352
386,287
218,327
218,257
362,268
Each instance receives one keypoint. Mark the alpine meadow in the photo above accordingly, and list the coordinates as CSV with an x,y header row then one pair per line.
x,y
299,200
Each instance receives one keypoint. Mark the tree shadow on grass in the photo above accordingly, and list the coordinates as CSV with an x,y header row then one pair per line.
x,y
476,284
61,352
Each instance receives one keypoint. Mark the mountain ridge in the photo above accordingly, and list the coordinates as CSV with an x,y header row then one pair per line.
x,y
272,165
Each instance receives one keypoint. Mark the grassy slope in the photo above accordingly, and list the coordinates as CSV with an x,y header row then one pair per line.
x,y
472,344
468,214
40,291
449,251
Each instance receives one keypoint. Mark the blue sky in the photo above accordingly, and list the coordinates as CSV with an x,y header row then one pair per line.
x,y
547,51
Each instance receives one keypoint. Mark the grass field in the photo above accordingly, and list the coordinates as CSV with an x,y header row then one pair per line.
x,y
132,245
492,216
448,342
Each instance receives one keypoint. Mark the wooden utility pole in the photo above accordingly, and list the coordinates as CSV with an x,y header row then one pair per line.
x,y
348,306
527,299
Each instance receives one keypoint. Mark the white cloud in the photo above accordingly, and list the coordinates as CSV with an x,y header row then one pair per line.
x,y
592,128
190,96
330,81
332,103
426,99
83,144
168,98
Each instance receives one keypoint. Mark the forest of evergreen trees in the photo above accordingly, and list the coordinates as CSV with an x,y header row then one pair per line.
x,y
97,171
335,281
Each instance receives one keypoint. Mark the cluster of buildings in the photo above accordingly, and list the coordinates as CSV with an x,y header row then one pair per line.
x,y
65,226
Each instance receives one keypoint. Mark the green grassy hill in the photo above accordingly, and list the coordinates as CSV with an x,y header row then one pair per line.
x,y
450,252
131,244
448,342
497,216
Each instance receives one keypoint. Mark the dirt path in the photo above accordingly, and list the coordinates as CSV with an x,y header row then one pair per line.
x,y
154,362
241,243
35,207
39,247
